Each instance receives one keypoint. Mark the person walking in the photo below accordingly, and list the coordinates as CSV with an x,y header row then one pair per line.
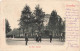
x,y
50,38
40,37
63,36
37,37
26,38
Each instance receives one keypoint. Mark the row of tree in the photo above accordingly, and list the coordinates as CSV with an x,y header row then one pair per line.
x,y
34,20
56,24
31,22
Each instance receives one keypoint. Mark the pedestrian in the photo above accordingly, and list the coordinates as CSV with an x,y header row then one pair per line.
x,y
40,37
37,37
26,38
50,38
63,36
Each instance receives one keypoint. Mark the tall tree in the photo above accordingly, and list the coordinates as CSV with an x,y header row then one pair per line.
x,y
59,26
39,17
7,26
25,18
53,21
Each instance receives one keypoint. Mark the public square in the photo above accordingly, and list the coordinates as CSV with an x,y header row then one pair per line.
x,y
35,25
45,41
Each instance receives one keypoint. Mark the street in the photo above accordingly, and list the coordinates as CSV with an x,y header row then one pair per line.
x,y
21,41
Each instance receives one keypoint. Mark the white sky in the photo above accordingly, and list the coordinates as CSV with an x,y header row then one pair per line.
x,y
12,8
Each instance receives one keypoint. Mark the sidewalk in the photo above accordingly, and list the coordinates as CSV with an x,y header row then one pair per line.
x,y
21,41
31,39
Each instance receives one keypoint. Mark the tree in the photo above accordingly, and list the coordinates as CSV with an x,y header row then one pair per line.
x,y
54,23
39,17
14,33
7,26
19,31
31,20
63,26
59,26
25,18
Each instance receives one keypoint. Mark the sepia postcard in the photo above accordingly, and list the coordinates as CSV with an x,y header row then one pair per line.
x,y
39,25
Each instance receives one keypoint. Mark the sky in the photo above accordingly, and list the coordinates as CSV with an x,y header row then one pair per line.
x,y
11,9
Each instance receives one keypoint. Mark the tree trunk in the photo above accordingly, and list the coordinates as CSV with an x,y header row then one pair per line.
x,y
32,31
27,29
23,31
19,33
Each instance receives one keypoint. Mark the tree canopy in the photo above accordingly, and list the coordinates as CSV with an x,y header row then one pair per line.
x,y
39,16
7,26
55,22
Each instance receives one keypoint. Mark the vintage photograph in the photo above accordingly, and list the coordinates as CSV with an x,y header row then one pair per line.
x,y
35,23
